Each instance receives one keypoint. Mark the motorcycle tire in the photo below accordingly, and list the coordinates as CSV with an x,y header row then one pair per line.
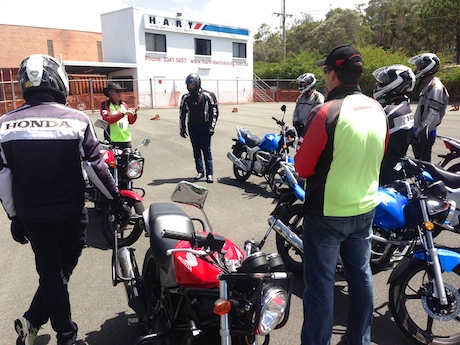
x,y
129,233
240,174
454,168
276,179
292,257
420,317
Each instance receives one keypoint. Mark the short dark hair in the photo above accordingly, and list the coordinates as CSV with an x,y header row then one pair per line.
x,y
349,77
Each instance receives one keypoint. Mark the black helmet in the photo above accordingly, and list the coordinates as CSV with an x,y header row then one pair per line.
x,y
425,64
309,80
393,80
44,74
193,82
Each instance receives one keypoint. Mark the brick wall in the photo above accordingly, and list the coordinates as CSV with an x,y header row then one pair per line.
x,y
19,42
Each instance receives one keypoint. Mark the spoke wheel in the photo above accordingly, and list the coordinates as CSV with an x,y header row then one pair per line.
x,y
420,315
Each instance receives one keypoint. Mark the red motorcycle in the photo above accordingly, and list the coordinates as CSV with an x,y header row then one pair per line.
x,y
453,145
197,287
125,165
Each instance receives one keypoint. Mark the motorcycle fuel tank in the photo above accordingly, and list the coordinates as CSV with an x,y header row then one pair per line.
x,y
389,214
270,142
193,271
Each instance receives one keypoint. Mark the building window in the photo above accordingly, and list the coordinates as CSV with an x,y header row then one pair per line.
x,y
239,50
50,47
202,47
155,42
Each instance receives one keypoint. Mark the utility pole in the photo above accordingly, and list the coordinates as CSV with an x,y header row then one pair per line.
x,y
283,16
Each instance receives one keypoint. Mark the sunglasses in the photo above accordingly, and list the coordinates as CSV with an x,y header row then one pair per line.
x,y
118,91
327,69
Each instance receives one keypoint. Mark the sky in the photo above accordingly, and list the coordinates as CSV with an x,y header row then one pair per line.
x,y
84,15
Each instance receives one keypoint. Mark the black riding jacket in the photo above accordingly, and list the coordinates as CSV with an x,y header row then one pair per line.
x,y
43,146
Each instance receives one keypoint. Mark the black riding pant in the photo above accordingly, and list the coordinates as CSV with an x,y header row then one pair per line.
x,y
57,246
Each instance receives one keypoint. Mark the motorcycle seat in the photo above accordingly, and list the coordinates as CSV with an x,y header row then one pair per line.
x,y
166,216
451,180
250,139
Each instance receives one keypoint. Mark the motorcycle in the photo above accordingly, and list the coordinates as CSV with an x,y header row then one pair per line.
x,y
261,157
424,297
394,224
453,145
125,166
452,182
197,286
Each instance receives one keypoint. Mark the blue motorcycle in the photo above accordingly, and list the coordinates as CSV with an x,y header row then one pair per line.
x,y
252,155
424,292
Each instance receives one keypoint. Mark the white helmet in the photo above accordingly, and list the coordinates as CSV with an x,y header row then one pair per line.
x,y
43,73
310,81
425,64
393,80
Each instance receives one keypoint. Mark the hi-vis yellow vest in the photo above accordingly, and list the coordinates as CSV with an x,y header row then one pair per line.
x,y
119,131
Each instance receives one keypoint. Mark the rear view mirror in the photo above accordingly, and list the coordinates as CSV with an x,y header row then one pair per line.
x,y
190,194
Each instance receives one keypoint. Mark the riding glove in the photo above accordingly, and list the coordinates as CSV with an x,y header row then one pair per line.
x,y
17,230
183,133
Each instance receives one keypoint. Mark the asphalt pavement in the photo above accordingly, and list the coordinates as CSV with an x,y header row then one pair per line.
x,y
238,210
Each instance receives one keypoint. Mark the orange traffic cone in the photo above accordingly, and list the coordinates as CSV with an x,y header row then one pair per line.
x,y
235,110
156,117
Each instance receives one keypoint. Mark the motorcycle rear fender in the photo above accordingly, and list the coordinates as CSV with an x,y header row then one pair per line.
x,y
130,194
447,258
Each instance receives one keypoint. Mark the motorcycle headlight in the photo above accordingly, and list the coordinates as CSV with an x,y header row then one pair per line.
x,y
134,169
274,303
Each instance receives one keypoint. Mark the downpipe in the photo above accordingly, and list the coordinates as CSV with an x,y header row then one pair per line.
x,y
237,161
286,233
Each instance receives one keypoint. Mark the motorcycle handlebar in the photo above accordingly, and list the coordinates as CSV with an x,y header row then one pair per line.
x,y
194,238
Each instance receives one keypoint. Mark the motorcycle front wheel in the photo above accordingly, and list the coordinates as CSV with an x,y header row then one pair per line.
x,y
418,313
128,234
292,257
276,179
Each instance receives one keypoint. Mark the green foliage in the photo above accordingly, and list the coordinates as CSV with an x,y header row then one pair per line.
x,y
385,31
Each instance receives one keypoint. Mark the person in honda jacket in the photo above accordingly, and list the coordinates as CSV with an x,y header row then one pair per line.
x,y
43,146
340,154
199,109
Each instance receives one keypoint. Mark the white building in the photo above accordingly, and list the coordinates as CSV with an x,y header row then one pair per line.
x,y
166,48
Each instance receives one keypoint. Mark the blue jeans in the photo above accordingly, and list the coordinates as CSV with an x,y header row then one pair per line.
x,y
201,144
324,239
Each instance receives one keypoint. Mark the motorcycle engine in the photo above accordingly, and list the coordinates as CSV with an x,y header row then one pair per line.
x,y
262,159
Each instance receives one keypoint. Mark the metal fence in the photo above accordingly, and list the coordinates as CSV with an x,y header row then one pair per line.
x,y
86,92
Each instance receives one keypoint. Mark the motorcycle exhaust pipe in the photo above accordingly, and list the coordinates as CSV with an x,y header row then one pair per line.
x,y
129,274
125,260
286,233
237,161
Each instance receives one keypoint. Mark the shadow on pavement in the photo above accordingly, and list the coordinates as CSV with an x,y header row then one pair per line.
x,y
250,189
115,331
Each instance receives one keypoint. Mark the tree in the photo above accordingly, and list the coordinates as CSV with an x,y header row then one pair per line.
x,y
267,45
299,35
441,18
395,24
340,26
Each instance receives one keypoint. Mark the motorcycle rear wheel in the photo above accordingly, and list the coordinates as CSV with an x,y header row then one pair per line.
x,y
292,257
240,174
128,234
421,318
454,168
160,320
